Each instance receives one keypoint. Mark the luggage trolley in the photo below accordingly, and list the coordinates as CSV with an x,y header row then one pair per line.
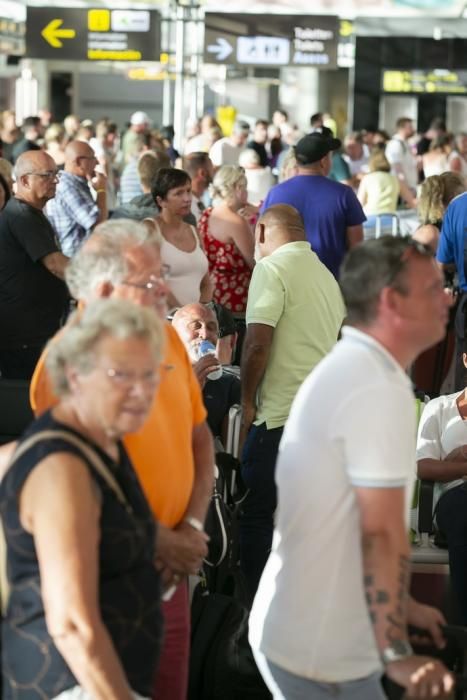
x,y
381,225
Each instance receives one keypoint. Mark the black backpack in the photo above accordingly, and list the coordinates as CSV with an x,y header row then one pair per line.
x,y
222,666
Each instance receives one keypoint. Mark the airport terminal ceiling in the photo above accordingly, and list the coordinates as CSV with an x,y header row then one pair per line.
x,y
343,8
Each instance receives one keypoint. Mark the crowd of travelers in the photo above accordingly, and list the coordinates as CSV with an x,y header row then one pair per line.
x,y
148,288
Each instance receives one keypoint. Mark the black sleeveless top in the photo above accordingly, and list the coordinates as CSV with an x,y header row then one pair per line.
x,y
129,586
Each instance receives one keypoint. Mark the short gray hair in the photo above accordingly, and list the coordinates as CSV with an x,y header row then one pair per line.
x,y
21,167
369,268
76,345
241,128
248,158
102,257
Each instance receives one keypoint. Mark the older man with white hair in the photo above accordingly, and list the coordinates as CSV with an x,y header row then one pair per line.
x,y
33,296
197,324
173,452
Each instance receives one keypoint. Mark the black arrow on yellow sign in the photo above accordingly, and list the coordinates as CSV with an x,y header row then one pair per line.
x,y
52,33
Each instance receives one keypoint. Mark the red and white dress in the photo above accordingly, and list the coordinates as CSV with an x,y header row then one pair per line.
x,y
228,270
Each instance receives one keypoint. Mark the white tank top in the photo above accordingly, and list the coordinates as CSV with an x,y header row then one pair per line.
x,y
186,269
455,154
436,167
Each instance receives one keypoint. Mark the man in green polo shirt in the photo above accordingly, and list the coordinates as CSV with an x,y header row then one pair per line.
x,y
294,314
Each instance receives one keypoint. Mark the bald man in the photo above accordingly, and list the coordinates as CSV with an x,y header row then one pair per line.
x,y
33,296
294,314
195,323
75,212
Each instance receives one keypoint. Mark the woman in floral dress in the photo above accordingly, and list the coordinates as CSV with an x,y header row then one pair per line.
x,y
228,240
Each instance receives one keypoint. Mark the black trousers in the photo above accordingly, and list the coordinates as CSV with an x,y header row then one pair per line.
x,y
451,516
460,376
257,512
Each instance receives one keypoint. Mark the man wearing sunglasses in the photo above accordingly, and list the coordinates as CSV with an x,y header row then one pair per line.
x,y
33,296
333,607
74,212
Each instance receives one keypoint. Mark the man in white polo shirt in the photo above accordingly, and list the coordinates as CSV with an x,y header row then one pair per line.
x,y
226,151
399,153
332,607
294,314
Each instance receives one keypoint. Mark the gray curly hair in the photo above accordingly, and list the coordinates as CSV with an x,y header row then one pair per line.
x,y
102,256
76,346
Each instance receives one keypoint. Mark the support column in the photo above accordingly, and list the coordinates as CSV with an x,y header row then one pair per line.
x,y
299,94
179,102
166,43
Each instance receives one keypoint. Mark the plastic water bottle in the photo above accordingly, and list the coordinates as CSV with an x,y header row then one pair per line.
x,y
207,348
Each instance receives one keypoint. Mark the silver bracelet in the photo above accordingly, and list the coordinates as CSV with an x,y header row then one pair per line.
x,y
400,649
194,523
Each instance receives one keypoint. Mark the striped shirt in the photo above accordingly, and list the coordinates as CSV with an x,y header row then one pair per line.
x,y
73,212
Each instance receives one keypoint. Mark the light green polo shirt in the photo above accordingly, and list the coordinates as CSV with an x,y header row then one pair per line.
x,y
292,291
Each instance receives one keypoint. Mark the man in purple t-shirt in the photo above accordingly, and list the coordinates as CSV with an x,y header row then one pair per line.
x,y
331,212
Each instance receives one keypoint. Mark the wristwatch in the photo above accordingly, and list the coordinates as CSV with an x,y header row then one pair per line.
x,y
194,523
398,650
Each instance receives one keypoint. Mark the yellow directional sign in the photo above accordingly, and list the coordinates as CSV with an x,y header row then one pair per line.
x,y
92,34
52,33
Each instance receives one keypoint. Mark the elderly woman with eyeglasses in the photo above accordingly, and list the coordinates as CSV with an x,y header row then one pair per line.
x,y
83,617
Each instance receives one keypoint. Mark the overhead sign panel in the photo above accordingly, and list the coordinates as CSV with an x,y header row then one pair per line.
x,y
92,34
12,27
435,81
271,40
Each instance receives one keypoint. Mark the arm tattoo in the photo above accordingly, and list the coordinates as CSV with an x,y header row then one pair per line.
x,y
397,617
396,610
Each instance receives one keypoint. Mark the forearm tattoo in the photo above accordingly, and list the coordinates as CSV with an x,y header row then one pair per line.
x,y
391,609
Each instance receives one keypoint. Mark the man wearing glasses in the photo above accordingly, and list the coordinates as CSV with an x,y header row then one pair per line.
x,y
74,212
33,296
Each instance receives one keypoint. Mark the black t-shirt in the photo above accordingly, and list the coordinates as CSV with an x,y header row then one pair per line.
x,y
32,300
219,395
21,147
423,146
